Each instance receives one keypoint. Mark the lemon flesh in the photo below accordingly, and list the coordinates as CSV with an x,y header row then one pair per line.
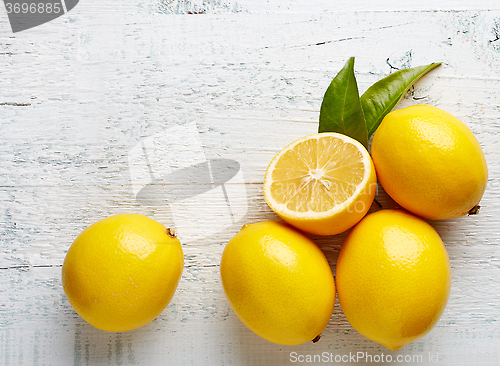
x,y
278,282
322,184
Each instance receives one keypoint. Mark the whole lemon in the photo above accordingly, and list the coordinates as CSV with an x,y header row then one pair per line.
x,y
429,162
393,277
278,282
121,272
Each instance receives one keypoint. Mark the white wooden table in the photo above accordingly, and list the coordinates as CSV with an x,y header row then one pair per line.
x,y
85,97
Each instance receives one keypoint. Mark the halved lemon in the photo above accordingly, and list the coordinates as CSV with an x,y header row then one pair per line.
x,y
322,184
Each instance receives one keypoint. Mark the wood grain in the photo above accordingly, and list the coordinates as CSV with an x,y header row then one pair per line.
x,y
77,94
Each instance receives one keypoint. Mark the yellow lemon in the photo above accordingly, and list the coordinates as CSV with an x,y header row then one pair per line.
x,y
121,272
278,282
393,277
429,162
322,184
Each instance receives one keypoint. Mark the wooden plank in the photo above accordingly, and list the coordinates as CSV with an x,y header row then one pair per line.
x,y
80,92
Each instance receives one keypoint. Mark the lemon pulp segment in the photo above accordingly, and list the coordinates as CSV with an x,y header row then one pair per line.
x,y
317,174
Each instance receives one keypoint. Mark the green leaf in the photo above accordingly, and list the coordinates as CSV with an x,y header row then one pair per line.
x,y
382,97
341,108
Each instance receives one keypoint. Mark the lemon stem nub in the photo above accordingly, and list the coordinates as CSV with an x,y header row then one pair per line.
x,y
474,210
378,204
317,338
171,232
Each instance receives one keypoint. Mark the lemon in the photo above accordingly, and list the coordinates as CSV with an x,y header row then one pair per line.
x,y
121,272
322,184
393,277
429,162
278,282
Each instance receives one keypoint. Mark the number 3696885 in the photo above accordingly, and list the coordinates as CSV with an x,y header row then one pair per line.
x,y
40,8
